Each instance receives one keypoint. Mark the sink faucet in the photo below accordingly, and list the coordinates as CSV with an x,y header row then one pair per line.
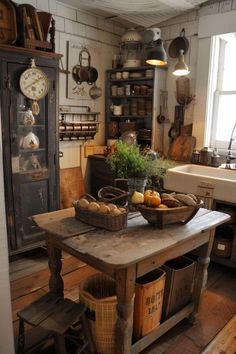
x,y
230,156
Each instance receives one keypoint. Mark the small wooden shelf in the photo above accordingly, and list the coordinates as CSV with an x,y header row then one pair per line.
x,y
32,126
77,132
80,113
78,119
157,332
133,69
224,261
34,170
144,138
130,117
131,96
132,79
31,150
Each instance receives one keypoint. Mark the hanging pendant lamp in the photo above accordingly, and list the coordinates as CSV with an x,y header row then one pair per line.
x,y
157,55
181,69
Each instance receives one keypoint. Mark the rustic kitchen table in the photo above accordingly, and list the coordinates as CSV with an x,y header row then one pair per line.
x,y
128,254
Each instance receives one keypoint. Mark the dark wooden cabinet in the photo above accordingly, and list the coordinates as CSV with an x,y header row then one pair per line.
x,y
224,246
100,174
30,173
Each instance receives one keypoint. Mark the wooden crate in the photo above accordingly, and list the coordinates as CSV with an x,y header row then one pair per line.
x,y
149,291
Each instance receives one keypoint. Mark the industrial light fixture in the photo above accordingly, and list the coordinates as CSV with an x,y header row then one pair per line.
x,y
157,54
181,69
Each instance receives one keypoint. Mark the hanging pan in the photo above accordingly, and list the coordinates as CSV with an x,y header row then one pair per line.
x,y
95,92
177,44
80,72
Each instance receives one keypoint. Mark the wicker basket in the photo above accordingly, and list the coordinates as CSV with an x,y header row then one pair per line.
x,y
99,296
160,217
106,221
113,195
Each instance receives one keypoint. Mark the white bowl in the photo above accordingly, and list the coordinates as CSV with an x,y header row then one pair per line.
x,y
130,63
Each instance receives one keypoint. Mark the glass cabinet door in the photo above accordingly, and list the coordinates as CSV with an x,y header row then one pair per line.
x,y
32,150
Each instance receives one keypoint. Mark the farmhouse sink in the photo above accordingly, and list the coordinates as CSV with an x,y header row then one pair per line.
x,y
188,178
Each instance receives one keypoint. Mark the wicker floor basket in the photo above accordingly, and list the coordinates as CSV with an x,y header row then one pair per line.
x,y
98,294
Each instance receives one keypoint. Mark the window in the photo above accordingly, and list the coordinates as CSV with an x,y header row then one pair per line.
x,y
222,92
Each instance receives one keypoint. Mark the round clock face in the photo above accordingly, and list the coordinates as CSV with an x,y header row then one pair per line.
x,y
34,83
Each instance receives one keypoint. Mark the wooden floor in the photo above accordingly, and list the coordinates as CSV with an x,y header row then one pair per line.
x,y
214,333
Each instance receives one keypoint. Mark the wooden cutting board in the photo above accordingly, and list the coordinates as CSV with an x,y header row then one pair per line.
x,y
181,148
71,186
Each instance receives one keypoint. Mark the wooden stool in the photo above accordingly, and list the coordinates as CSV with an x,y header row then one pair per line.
x,y
56,315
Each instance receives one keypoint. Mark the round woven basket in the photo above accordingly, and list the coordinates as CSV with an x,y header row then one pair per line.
x,y
99,296
114,195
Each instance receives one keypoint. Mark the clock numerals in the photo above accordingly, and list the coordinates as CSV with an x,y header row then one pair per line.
x,y
34,83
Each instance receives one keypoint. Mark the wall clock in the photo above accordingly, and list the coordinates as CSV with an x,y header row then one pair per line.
x,y
34,84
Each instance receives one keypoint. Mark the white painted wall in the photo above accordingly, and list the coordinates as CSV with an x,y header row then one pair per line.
x,y
170,30
104,36
200,25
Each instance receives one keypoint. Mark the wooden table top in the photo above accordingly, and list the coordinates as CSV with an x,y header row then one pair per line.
x,y
128,246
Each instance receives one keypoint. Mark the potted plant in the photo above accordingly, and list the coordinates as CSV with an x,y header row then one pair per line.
x,y
128,162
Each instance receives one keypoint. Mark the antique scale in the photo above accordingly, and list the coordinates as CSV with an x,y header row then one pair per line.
x,y
34,84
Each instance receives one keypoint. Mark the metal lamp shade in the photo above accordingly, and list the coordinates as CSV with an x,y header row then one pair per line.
x,y
181,69
157,55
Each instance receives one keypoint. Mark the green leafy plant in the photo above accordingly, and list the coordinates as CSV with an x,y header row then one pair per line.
x,y
127,162
157,172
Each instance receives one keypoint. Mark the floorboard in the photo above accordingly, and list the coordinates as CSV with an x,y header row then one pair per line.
x,y
29,280
225,341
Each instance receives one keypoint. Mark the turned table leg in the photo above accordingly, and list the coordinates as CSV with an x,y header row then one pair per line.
x,y
54,262
201,272
125,288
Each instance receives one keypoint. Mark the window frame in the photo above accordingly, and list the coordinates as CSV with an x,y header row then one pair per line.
x,y
215,92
